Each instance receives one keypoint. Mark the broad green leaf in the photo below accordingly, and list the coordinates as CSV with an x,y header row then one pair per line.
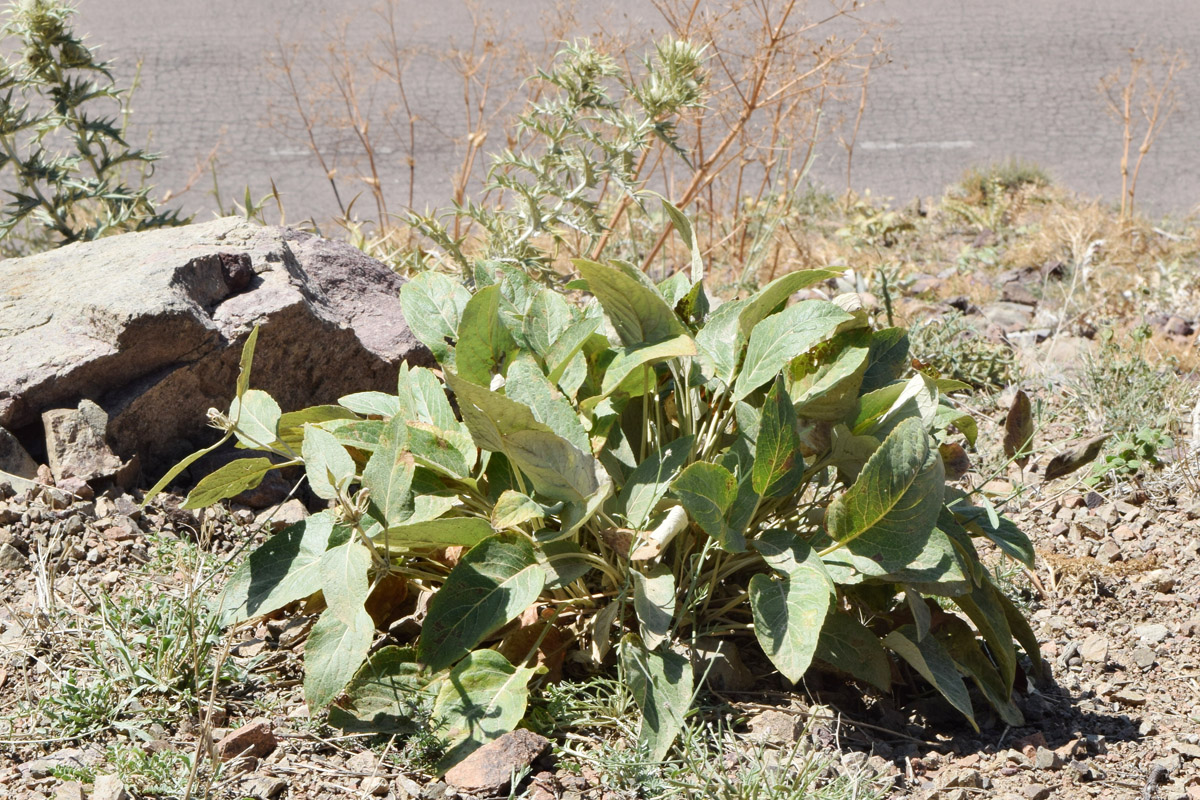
x,y
484,342
661,683
386,695
779,338
693,307
449,452
378,404
683,227
1018,429
778,464
850,453
675,288
228,481
887,360
359,434
427,507
935,567
728,328
948,416
489,415
827,391
1023,634
633,358
527,384
285,568
638,313
557,468
960,643
929,658
257,416
513,509
493,583
548,318
888,514
983,608
423,399
334,652
654,603
849,646
483,698
291,424
922,618
438,532
327,464
433,305
565,348
790,611
648,483
873,405
707,492
388,475
344,579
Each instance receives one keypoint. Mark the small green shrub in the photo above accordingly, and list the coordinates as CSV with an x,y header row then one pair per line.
x,y
956,349
627,477
65,156
1131,456
1121,389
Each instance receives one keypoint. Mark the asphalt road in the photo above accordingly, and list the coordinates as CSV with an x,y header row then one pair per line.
x,y
970,81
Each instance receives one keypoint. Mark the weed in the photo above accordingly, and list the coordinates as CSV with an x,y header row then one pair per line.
x,y
1119,389
954,348
162,773
1131,456
66,159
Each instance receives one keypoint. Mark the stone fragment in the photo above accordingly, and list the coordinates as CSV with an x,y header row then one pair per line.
x,y
19,467
280,516
1045,758
1153,633
12,558
254,739
1143,657
75,443
265,787
108,787
489,769
1094,649
1035,791
70,790
777,728
1129,697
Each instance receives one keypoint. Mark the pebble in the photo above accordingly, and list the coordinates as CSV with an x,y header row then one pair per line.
x,y
1153,633
1036,791
1045,758
1094,649
1143,657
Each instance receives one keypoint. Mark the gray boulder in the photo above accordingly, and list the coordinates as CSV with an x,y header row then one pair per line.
x,y
150,326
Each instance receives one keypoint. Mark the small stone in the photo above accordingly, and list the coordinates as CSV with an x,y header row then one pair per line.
x,y
254,739
265,787
406,787
1035,791
1094,649
75,443
374,786
1109,552
489,769
776,727
1178,326
966,778
365,763
1186,749
280,516
1147,728
1129,697
1143,657
108,787
1045,758
1153,633
71,790
12,558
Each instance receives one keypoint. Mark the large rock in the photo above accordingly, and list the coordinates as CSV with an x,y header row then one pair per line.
x,y
150,326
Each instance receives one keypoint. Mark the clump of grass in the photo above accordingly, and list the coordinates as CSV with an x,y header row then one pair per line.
x,y
1121,390
987,184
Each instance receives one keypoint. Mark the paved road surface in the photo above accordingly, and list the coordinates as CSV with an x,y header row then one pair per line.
x,y
970,81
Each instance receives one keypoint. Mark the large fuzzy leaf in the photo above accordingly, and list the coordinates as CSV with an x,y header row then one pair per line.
x,y
983,608
728,328
708,492
887,359
493,583
848,645
790,611
388,475
433,306
483,698
929,658
228,481
778,464
828,389
257,416
548,318
328,465
344,579
423,399
779,338
484,341
638,313
888,514
654,603
333,653
386,694
624,372
661,683
960,642
444,532
286,568
527,384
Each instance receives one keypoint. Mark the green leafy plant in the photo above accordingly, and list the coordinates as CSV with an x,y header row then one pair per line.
x,y
66,158
1131,456
956,349
623,478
